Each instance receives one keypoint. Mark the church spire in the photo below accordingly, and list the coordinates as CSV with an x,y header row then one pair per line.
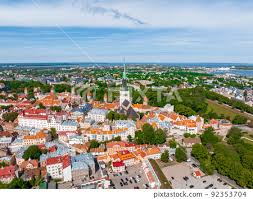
x,y
124,79
124,73
124,92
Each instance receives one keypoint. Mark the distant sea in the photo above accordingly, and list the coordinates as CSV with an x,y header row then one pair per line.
x,y
242,72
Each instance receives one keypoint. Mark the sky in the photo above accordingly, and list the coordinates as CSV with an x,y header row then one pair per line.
x,y
140,30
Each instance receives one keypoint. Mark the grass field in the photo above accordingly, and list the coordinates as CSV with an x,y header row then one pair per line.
x,y
165,184
226,110
247,141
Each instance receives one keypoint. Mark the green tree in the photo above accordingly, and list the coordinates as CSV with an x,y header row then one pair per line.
x,y
19,183
118,138
180,155
239,119
149,134
187,135
199,152
33,152
165,156
110,115
53,133
206,166
160,137
184,110
60,88
10,117
56,108
94,144
129,138
173,144
3,164
41,106
139,137
247,161
234,136
209,137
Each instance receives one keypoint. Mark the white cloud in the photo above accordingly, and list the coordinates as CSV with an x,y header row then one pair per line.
x,y
128,13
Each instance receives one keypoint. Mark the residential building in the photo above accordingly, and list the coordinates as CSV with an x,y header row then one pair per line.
x,y
80,170
29,165
106,135
7,174
59,168
118,167
38,139
88,159
117,146
98,115
42,120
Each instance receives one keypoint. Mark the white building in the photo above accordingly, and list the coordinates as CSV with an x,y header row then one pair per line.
x,y
126,124
41,120
98,115
105,135
59,168
168,108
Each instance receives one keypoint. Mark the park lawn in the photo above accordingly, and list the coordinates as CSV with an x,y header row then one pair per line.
x,y
223,109
162,164
165,184
247,141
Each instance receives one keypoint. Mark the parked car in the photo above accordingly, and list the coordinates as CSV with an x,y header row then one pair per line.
x,y
194,165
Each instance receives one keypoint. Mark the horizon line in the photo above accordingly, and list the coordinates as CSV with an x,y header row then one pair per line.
x,y
127,62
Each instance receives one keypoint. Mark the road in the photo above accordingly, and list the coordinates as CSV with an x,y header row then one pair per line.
x,y
244,128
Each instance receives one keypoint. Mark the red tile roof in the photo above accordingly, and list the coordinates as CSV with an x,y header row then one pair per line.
x,y
39,135
118,164
34,112
24,164
7,171
5,134
65,160
54,160
197,173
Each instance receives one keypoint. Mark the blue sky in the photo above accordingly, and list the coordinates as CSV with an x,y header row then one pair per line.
x,y
140,30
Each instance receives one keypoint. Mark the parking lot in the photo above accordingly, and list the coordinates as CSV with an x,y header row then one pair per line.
x,y
134,178
181,177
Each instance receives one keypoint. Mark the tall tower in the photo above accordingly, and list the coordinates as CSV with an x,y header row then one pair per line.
x,y
124,92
